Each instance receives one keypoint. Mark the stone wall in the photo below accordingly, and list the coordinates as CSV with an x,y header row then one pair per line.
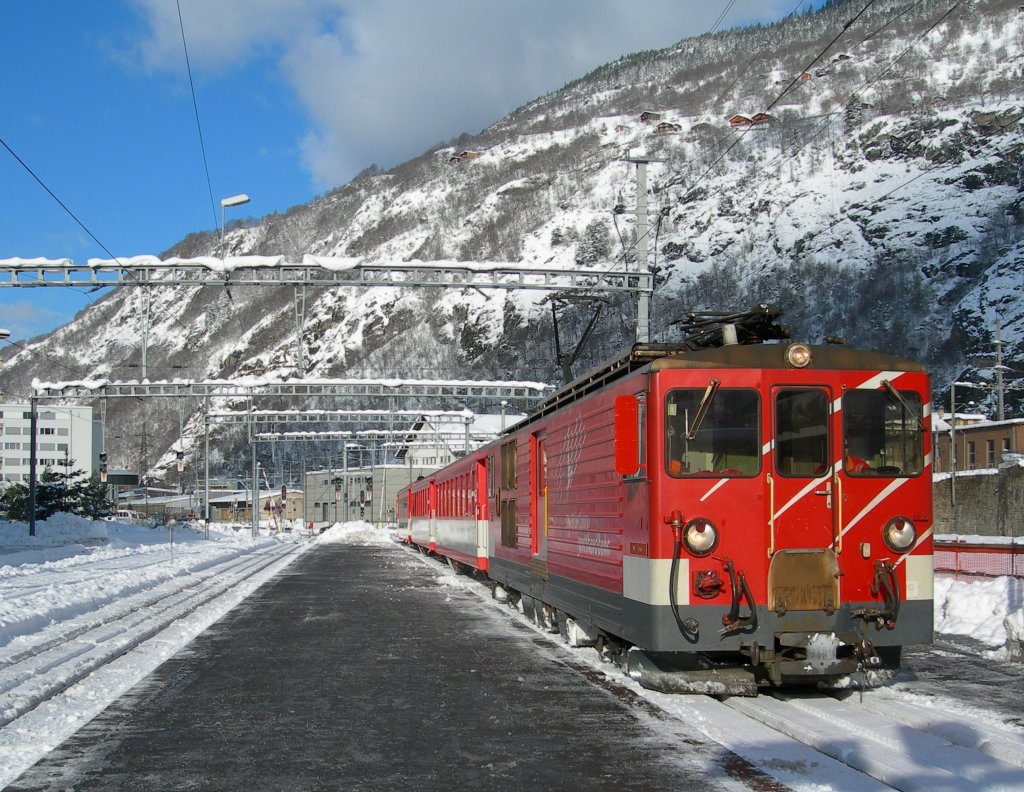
x,y
987,504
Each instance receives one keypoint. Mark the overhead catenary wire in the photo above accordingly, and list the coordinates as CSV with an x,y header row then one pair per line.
x,y
676,179
195,108
782,158
813,133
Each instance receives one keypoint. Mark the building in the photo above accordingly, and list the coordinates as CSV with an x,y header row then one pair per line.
x,y
363,493
980,444
276,508
668,128
65,435
432,445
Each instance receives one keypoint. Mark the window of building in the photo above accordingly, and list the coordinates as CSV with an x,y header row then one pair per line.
x,y
1006,445
62,431
12,446
47,430
972,460
990,450
12,430
47,416
47,446
12,461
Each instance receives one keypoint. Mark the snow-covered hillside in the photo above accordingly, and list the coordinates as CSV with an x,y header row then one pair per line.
x,y
882,200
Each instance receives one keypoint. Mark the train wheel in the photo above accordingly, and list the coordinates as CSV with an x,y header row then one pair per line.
x,y
611,649
574,633
546,618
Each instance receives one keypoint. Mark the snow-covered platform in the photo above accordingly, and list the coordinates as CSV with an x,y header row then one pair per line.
x,y
363,666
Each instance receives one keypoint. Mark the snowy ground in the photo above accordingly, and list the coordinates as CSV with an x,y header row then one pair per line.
x,y
77,577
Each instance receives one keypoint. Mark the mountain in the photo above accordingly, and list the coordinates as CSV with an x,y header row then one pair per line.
x,y
860,167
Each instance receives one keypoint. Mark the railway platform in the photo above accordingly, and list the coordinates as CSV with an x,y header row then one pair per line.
x,y
366,667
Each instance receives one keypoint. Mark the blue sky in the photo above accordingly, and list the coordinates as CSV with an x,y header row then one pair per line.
x,y
294,96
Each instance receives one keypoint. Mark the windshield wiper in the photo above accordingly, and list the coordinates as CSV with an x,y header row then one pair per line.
x,y
702,408
896,395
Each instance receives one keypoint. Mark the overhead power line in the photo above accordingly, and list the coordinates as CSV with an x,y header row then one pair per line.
x,y
195,107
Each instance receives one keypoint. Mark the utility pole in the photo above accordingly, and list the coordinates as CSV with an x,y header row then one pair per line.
x,y
999,369
643,305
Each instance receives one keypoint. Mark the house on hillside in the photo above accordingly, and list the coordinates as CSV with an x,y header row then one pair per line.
x,y
740,121
463,157
761,119
667,128
649,117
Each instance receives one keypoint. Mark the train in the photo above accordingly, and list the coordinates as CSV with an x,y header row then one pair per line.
x,y
733,513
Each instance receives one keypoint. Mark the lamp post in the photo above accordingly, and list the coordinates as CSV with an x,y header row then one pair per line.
x,y
234,200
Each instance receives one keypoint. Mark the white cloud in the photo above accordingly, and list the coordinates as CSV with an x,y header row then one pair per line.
x,y
381,80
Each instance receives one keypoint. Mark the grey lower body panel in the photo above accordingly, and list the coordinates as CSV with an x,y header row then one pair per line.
x,y
655,627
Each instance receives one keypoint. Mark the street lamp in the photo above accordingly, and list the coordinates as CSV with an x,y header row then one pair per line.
x,y
234,200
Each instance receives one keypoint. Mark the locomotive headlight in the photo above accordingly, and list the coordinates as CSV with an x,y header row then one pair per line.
x,y
798,355
899,534
700,536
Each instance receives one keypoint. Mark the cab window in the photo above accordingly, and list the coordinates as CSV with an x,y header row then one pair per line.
x,y
801,432
712,432
881,433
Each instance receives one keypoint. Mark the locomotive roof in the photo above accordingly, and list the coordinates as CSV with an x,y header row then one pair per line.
x,y
659,357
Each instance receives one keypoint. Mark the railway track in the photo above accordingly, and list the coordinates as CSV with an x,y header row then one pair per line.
x,y
36,668
878,739
900,744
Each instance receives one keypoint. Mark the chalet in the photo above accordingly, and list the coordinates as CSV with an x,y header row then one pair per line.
x,y
740,121
649,117
622,129
667,128
760,119
465,155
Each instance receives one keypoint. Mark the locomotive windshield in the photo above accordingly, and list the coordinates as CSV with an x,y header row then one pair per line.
x,y
801,432
882,433
712,431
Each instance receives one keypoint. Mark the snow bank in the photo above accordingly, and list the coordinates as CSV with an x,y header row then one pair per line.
x,y
356,533
985,610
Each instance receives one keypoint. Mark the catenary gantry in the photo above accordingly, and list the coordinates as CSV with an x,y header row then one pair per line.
x,y
318,271
252,388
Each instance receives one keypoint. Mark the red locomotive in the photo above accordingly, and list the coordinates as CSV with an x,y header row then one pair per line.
x,y
723,514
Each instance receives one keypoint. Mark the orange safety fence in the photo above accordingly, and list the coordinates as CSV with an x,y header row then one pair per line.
x,y
976,557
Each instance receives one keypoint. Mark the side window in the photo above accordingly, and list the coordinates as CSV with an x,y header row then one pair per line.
x,y
801,432
508,465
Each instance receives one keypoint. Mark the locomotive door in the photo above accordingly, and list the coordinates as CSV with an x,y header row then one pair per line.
x,y
539,499
803,491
